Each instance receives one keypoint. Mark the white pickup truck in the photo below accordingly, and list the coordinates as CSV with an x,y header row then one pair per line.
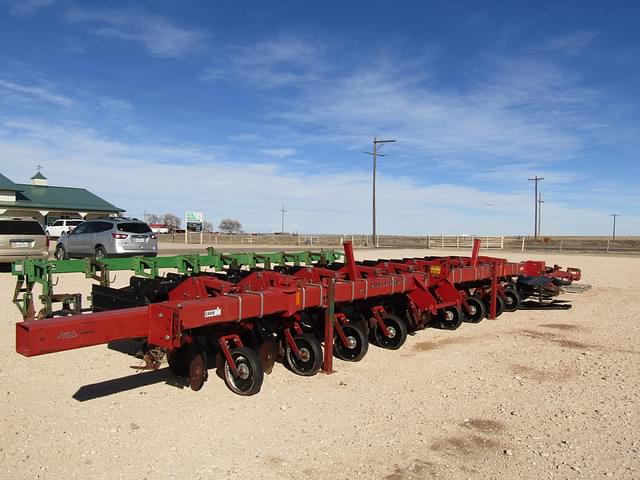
x,y
61,226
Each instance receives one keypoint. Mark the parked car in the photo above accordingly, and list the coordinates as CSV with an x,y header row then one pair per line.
x,y
63,225
108,237
22,237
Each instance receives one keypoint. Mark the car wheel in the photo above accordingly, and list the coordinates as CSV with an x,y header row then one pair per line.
x,y
60,253
100,253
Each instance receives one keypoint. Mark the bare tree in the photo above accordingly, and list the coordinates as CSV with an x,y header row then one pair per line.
x,y
152,218
171,221
229,225
207,226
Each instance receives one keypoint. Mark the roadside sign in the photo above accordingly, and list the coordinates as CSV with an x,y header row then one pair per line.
x,y
194,217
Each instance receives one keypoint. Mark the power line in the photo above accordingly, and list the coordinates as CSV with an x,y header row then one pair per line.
x,y
375,154
535,179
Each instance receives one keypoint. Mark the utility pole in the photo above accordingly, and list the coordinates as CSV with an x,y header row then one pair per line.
x,y
283,211
535,179
540,202
614,215
375,154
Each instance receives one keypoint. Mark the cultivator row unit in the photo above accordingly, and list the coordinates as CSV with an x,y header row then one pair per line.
x,y
253,310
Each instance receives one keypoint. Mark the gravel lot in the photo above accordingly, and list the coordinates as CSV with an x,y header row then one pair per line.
x,y
530,395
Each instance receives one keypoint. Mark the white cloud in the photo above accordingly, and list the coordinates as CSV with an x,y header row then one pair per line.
x,y
43,92
278,152
158,35
146,176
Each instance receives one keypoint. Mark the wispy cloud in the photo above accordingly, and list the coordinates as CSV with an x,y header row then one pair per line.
x,y
28,7
572,43
283,61
33,93
158,35
278,152
521,112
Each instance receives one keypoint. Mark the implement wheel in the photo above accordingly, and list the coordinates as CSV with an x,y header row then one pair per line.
x,y
250,374
397,333
474,310
310,361
450,318
511,300
499,305
357,344
197,370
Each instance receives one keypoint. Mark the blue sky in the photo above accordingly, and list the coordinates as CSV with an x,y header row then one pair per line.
x,y
235,108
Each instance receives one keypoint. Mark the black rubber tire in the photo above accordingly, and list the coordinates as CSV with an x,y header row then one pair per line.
x,y
499,305
310,362
477,310
511,300
250,378
358,340
60,253
178,360
398,331
100,253
450,318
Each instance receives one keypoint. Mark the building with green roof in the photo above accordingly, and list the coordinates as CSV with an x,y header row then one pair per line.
x,y
48,203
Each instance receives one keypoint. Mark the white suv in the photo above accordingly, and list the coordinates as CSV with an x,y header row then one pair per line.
x,y
57,228
108,237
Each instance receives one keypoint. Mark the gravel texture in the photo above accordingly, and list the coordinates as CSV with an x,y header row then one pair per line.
x,y
530,395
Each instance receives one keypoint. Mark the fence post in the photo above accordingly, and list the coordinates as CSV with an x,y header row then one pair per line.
x,y
607,246
502,243
523,244
560,244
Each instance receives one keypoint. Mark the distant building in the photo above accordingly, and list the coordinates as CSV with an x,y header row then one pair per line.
x,y
159,227
49,203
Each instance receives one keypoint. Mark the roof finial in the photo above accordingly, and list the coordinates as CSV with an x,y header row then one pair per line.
x,y
39,167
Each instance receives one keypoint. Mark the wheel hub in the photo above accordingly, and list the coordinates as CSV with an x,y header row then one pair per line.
x,y
472,310
351,342
448,316
391,332
243,371
305,355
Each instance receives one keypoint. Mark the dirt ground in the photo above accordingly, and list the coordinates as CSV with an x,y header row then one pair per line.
x,y
530,395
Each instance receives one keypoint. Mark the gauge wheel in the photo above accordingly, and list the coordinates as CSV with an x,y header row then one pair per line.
x,y
397,333
310,361
473,309
250,375
357,344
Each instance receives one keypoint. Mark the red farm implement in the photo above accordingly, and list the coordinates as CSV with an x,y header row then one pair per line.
x,y
247,318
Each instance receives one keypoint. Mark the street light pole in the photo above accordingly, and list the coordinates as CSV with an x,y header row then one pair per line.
x,y
375,154
614,215
535,179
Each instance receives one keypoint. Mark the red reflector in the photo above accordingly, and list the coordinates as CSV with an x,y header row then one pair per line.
x,y
119,236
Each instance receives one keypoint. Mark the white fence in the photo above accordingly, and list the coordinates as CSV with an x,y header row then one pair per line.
x,y
464,241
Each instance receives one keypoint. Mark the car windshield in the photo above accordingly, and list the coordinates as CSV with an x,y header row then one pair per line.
x,y
137,227
18,227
